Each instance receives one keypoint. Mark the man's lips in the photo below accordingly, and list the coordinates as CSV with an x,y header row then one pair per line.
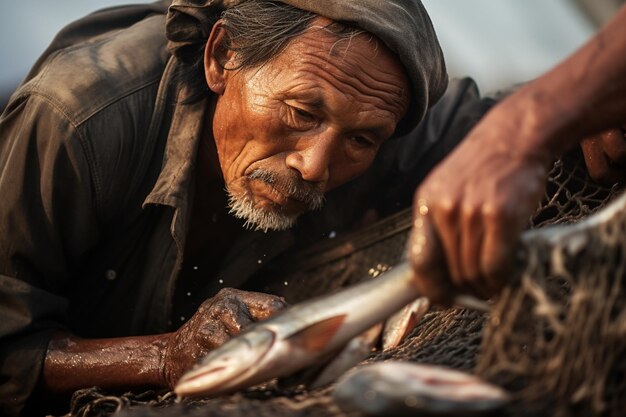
x,y
263,190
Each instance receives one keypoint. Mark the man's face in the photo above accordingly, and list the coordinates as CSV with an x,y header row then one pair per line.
x,y
304,123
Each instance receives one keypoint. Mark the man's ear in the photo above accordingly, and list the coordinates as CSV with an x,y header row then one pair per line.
x,y
216,58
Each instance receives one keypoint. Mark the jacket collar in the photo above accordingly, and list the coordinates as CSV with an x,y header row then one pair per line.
x,y
185,130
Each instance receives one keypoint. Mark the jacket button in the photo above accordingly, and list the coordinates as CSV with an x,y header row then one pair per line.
x,y
110,274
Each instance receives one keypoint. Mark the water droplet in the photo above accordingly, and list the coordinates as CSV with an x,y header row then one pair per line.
x,y
286,283
188,294
195,268
259,261
332,234
182,318
221,281
110,274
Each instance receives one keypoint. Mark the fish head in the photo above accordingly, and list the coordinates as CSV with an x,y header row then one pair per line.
x,y
225,367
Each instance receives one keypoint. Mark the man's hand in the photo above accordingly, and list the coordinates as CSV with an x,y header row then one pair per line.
x,y
217,320
156,360
605,155
478,200
470,210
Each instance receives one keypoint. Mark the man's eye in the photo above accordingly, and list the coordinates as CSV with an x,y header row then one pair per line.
x,y
362,141
299,119
303,114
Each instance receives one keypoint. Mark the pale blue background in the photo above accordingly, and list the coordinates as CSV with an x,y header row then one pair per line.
x,y
498,42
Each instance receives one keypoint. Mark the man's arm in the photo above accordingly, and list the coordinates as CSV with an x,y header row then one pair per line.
x,y
471,209
122,363
151,361
47,224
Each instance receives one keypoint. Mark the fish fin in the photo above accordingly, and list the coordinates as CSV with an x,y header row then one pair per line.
x,y
316,336
355,351
401,324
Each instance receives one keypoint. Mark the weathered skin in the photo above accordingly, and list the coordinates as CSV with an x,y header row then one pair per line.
x,y
605,155
300,336
475,204
154,360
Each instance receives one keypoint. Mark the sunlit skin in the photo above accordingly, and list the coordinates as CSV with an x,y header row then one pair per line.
x,y
315,115
605,155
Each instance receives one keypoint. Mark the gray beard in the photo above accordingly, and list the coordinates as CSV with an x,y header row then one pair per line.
x,y
256,218
242,206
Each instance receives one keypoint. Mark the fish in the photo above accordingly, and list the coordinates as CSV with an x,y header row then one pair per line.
x,y
398,326
327,370
301,335
305,334
396,388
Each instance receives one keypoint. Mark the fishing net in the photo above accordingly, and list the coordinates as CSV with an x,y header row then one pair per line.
x,y
554,338
557,337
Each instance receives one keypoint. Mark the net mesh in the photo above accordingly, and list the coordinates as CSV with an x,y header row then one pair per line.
x,y
557,337
556,340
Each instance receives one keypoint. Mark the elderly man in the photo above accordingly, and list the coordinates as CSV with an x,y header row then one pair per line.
x,y
137,135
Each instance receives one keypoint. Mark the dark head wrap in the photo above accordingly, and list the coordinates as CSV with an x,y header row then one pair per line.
x,y
403,25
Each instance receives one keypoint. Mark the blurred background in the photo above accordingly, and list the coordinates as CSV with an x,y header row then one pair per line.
x,y
498,43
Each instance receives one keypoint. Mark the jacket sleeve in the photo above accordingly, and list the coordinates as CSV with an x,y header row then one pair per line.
x,y
47,221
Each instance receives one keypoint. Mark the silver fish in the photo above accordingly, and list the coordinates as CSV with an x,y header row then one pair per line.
x,y
398,326
411,389
299,336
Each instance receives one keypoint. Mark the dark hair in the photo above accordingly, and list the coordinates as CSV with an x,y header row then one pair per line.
x,y
258,30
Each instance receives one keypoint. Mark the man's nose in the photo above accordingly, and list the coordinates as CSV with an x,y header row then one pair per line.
x,y
313,160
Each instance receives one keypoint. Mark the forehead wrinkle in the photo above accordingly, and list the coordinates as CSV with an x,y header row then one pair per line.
x,y
378,81
332,51
357,87
370,84
306,91
364,117
317,97
357,81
